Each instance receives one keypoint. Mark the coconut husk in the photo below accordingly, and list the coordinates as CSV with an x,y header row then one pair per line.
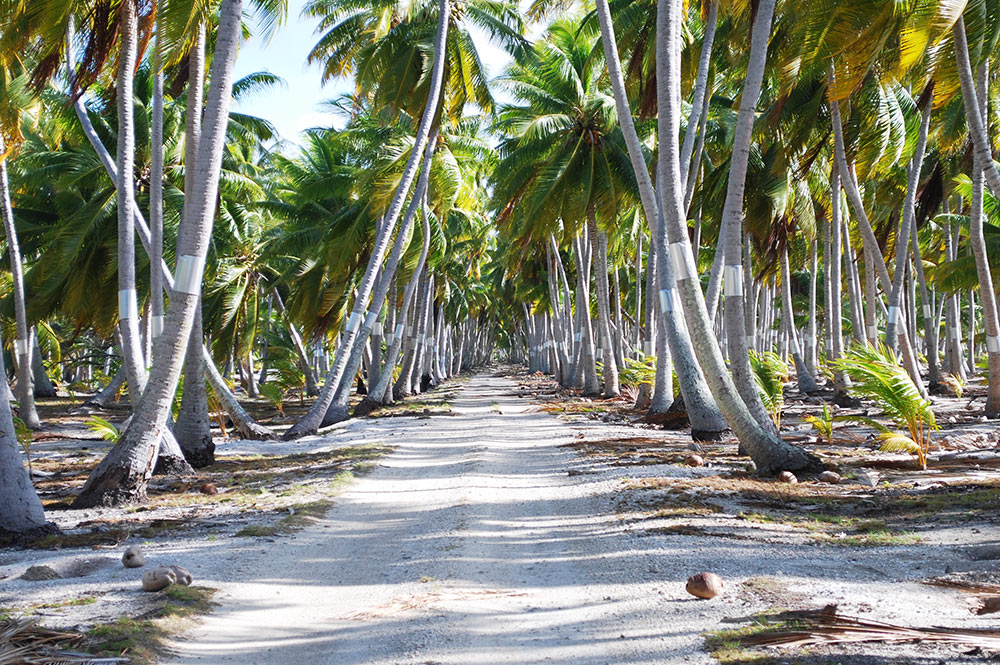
x,y
24,642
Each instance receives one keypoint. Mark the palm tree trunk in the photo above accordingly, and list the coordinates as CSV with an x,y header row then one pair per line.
x,y
991,321
768,451
300,349
310,422
812,342
732,222
807,384
156,199
872,251
245,424
193,428
43,385
973,114
128,310
706,420
22,344
21,510
699,102
905,227
122,476
599,244
835,308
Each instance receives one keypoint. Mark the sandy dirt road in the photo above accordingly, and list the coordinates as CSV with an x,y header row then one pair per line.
x,y
472,545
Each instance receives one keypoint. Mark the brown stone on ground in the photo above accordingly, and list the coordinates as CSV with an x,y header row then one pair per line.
x,y
182,576
133,557
695,460
158,579
704,585
787,477
208,488
829,477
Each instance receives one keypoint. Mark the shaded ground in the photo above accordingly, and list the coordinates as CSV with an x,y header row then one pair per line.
x,y
514,523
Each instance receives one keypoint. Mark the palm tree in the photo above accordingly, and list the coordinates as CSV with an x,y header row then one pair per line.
x,y
310,422
123,474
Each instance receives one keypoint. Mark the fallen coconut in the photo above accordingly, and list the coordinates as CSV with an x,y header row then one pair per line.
x,y
695,460
158,579
787,477
829,477
133,557
182,575
208,488
704,585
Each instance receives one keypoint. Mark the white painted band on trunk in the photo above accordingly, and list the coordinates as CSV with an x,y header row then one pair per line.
x,y
992,344
189,271
928,313
128,304
647,348
872,332
389,339
371,319
664,301
156,325
399,331
732,281
21,347
679,255
751,341
353,321
420,339
378,330
599,354
893,315
956,334
577,337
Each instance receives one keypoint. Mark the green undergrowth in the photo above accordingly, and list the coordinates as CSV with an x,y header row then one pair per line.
x,y
299,517
143,640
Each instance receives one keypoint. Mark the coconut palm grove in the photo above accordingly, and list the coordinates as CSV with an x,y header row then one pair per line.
x,y
704,289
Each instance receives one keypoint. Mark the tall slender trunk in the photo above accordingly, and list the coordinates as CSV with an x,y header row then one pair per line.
x,y
309,423
835,308
123,475
807,384
193,428
246,425
732,222
22,343
991,321
156,199
974,115
872,251
600,261
706,420
907,224
699,102
300,349
811,342
128,309
769,452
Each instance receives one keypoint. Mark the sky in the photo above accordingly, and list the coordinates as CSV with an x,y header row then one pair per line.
x,y
298,105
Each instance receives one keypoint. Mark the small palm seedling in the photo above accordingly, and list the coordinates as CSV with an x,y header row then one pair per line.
x,y
104,429
770,373
877,374
822,424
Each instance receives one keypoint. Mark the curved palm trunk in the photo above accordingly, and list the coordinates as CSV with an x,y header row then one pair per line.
x,y
872,252
156,200
244,423
986,294
807,384
706,419
122,476
21,510
338,408
43,385
769,452
732,222
300,350
973,114
906,226
193,428
311,422
22,344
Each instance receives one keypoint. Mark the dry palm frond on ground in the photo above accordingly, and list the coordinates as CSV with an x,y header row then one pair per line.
x,y
825,626
24,642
